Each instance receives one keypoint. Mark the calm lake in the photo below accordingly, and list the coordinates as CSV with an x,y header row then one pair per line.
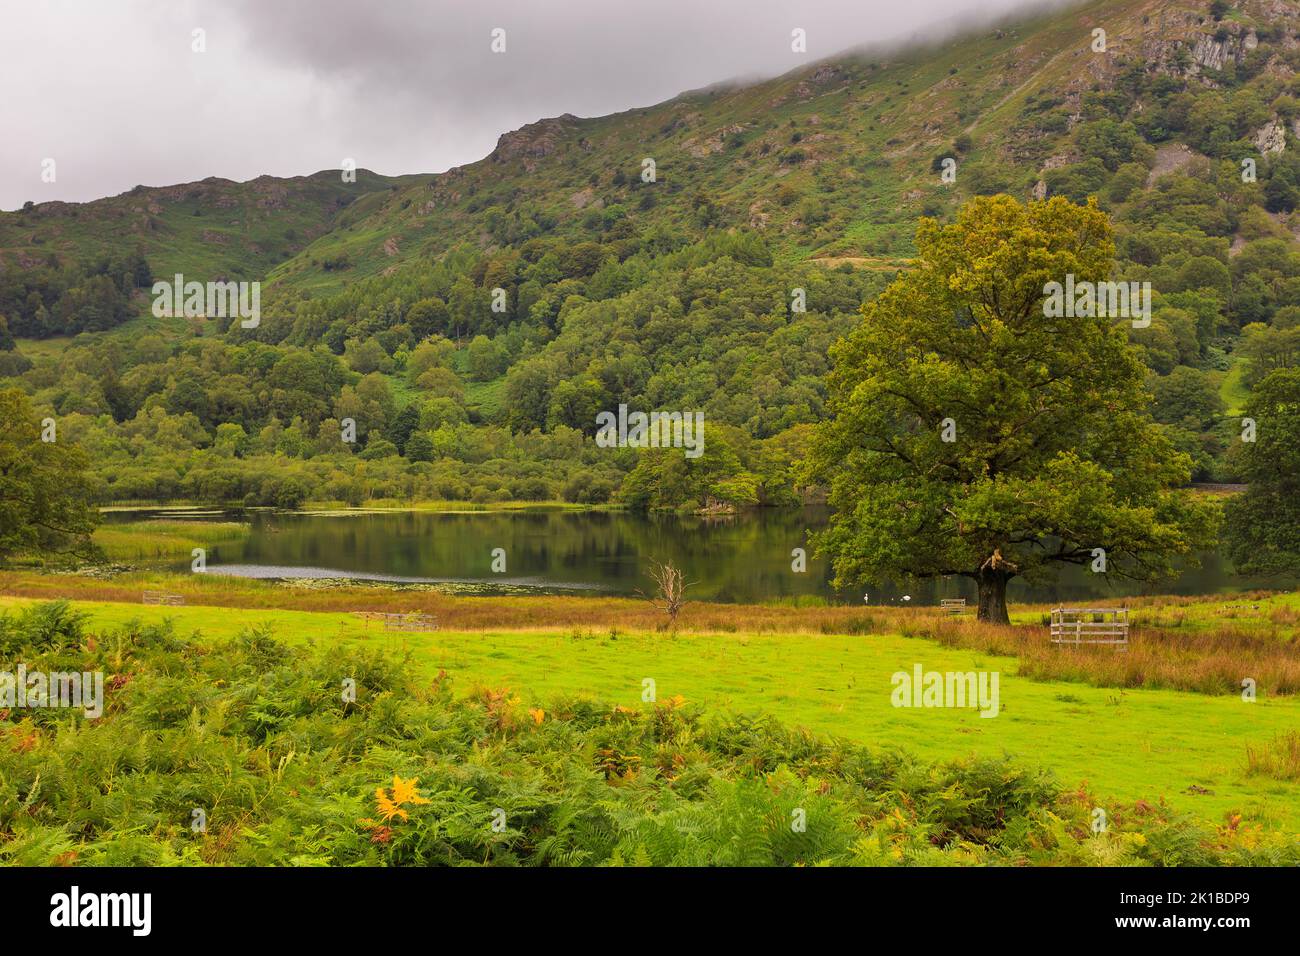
x,y
746,558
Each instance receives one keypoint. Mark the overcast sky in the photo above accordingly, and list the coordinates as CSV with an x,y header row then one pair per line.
x,y
113,92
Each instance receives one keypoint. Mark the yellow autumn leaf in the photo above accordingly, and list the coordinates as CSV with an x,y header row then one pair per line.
x,y
406,791
387,808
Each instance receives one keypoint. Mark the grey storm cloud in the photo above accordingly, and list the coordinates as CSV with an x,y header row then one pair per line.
x,y
115,94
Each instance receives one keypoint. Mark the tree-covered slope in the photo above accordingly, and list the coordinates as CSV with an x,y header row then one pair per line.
x,y
474,323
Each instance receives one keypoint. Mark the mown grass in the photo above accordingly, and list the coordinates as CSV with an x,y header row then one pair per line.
x,y
253,738
1187,750
142,540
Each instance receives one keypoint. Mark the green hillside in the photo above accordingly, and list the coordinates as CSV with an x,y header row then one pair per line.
x,y
214,227
474,322
830,160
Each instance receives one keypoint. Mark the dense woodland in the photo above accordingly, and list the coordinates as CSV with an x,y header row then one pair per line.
x,y
454,401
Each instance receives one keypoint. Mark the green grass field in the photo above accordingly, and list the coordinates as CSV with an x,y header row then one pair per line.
x,y
1233,390
1186,749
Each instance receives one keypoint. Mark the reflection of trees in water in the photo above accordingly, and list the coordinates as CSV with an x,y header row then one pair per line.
x,y
745,557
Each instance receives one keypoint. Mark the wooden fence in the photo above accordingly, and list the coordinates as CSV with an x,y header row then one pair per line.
x,y
162,597
410,622
400,622
1076,626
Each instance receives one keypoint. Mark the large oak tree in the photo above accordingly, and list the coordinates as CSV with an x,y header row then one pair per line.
x,y
972,434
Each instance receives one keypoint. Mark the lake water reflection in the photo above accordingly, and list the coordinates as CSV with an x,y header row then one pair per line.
x,y
744,558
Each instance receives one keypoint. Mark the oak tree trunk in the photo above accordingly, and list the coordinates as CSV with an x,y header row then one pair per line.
x,y
993,596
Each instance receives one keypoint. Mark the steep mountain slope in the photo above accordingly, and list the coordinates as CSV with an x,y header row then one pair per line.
x,y
835,159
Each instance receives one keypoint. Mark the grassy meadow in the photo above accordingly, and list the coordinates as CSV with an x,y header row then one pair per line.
x,y
242,751
1161,726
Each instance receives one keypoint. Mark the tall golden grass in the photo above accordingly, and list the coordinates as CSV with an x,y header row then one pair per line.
x,y
1279,759
1207,660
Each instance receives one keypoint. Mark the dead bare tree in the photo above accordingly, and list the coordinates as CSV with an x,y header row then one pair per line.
x,y
670,590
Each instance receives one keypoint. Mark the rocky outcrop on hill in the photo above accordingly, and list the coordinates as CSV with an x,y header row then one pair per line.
x,y
535,141
1271,137
1214,54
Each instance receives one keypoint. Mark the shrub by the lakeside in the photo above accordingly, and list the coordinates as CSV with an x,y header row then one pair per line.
x,y
286,771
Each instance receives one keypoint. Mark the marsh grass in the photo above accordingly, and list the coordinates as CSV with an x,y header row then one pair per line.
x,y
164,537
1279,759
